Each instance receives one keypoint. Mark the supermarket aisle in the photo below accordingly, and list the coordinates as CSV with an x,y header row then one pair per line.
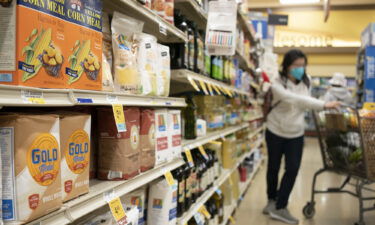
x,y
331,209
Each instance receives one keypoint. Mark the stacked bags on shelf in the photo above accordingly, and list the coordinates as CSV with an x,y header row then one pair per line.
x,y
140,64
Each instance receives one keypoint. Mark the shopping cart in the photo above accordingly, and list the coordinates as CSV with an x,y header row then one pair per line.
x,y
347,143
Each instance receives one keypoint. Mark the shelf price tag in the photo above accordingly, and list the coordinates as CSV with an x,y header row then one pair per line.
x,y
192,82
189,157
215,142
118,113
203,152
228,92
112,99
217,89
33,97
203,210
210,89
162,28
169,177
232,220
118,211
199,218
203,86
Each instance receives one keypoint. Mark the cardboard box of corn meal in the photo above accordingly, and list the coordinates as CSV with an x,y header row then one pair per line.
x,y
51,43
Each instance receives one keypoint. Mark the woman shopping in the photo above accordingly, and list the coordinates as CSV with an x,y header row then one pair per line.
x,y
285,131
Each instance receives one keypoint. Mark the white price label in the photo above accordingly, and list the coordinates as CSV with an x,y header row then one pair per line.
x,y
112,99
109,195
163,28
33,97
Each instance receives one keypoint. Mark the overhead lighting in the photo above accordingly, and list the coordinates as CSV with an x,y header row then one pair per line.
x,y
298,1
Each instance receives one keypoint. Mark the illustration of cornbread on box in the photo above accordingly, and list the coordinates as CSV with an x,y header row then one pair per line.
x,y
39,52
83,60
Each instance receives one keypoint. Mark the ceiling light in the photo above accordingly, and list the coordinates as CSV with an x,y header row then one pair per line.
x,y
299,1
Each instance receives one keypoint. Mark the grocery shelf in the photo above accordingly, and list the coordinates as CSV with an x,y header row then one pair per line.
x,y
244,62
225,174
183,76
191,144
95,199
28,96
153,23
193,11
228,210
246,26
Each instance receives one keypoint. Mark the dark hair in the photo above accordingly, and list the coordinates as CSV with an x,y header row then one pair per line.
x,y
289,58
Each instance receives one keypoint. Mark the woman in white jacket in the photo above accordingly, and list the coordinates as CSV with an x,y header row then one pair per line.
x,y
285,131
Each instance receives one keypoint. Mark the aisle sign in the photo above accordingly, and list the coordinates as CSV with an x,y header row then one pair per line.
x,y
118,211
169,177
203,152
189,157
118,113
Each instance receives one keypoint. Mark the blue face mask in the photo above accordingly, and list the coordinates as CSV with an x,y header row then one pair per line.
x,y
297,72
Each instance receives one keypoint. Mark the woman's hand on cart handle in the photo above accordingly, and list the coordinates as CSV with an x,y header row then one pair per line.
x,y
332,105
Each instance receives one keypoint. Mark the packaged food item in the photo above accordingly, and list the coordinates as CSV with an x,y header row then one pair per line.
x,y
162,203
137,199
32,46
147,62
147,132
75,154
107,78
118,153
124,29
169,8
174,132
30,152
84,41
163,76
201,127
161,134
159,7
106,218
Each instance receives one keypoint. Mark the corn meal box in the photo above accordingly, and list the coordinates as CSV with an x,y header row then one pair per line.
x,y
174,132
75,154
44,37
118,153
137,199
162,204
30,151
163,150
147,132
84,44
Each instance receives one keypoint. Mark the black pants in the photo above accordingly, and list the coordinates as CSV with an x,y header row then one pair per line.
x,y
292,149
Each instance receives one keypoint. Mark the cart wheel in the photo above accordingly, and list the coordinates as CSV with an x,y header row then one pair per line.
x,y
309,210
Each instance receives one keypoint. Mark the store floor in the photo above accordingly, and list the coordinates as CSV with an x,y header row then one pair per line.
x,y
332,209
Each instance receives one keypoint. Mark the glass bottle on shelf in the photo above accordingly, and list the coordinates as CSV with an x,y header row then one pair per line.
x,y
219,202
180,52
178,174
190,115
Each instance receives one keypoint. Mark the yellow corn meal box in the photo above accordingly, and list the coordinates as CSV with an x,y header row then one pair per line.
x,y
37,46
84,44
75,154
30,150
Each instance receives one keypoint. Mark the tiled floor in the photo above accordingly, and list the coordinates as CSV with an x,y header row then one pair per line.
x,y
332,209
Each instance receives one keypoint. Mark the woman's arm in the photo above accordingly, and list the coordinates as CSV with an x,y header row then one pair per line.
x,y
301,101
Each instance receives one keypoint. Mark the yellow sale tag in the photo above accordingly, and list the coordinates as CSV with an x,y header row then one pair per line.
x,y
205,212
118,113
169,177
369,106
232,220
203,86
192,82
210,89
203,152
228,92
217,89
215,142
37,100
189,157
117,210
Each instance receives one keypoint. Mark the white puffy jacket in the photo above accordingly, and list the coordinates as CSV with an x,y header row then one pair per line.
x,y
287,118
